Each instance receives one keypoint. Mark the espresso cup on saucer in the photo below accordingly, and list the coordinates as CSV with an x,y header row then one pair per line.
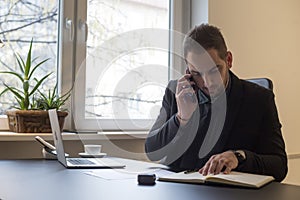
x,y
92,149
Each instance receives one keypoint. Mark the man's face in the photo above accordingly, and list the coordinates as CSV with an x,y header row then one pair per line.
x,y
209,71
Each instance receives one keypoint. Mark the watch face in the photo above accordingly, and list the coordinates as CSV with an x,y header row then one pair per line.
x,y
239,157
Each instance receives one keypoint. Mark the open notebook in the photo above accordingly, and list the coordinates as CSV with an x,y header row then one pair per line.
x,y
234,178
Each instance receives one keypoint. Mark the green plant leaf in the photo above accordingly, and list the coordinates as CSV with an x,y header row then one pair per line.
x,y
17,90
39,83
31,73
28,61
14,91
34,59
26,86
24,95
13,73
4,91
52,100
21,104
54,91
20,62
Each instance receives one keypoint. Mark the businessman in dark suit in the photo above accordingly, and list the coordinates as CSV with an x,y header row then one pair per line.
x,y
213,121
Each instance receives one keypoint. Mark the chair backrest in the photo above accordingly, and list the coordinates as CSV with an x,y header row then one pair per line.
x,y
264,82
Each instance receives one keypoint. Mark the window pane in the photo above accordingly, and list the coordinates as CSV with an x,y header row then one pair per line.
x,y
21,21
125,82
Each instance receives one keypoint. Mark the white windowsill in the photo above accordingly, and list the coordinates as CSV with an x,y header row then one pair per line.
x,y
11,136
6,135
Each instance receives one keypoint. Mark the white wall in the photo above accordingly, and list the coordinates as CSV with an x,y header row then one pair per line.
x,y
264,36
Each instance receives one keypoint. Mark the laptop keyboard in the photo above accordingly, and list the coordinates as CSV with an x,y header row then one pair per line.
x,y
80,161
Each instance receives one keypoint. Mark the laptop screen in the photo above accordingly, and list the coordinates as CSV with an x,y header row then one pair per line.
x,y
56,133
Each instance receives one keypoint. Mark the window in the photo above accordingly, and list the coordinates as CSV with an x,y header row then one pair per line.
x,y
114,53
120,82
21,21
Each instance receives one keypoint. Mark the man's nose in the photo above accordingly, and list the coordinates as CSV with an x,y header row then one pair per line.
x,y
207,80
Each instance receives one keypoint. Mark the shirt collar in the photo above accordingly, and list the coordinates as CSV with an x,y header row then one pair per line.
x,y
203,98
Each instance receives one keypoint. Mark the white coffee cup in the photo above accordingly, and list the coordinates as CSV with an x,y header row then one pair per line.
x,y
92,149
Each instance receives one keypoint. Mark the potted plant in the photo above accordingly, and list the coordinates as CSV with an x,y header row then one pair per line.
x,y
30,115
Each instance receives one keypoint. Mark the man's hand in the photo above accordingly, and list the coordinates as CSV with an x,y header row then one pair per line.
x,y
217,162
185,106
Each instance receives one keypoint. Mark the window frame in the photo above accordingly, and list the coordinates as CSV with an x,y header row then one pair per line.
x,y
71,63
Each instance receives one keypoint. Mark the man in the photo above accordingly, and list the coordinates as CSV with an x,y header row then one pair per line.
x,y
213,121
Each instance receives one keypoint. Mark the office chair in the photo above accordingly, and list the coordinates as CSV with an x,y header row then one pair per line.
x,y
264,82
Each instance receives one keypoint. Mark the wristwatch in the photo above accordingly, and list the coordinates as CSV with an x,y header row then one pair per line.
x,y
240,155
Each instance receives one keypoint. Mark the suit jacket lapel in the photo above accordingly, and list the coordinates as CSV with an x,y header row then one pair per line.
x,y
234,100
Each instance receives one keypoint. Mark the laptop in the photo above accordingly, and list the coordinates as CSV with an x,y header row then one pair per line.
x,y
76,162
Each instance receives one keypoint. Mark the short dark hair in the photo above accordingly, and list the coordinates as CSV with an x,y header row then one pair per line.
x,y
208,37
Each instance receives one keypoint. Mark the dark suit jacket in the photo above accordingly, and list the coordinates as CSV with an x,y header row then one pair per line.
x,y
250,123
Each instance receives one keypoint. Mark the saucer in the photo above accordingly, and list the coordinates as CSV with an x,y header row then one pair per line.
x,y
86,155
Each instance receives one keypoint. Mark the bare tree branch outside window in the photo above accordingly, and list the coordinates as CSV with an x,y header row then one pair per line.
x,y
108,19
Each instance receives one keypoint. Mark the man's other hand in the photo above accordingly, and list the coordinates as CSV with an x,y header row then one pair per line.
x,y
216,163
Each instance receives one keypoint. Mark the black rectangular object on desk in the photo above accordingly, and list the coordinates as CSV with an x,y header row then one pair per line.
x,y
146,179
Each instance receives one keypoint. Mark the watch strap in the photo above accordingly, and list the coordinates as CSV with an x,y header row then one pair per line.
x,y
240,155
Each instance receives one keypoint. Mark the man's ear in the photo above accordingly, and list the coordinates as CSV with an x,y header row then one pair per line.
x,y
229,59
